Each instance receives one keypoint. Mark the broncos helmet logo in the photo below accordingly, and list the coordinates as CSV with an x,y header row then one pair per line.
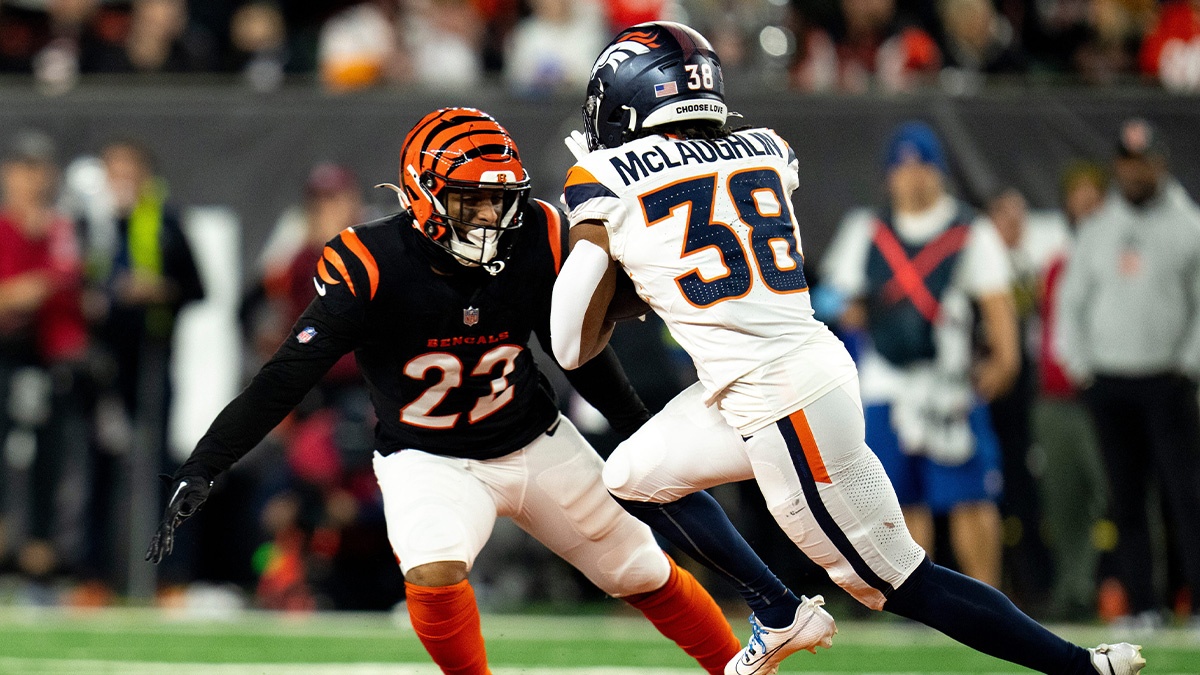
x,y
633,44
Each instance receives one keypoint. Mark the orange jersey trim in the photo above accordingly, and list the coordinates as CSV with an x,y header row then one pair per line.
x,y
323,272
336,260
554,230
812,454
578,176
352,242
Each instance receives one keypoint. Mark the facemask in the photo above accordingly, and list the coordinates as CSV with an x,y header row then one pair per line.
x,y
476,246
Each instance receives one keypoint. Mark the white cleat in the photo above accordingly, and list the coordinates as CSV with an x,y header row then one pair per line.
x,y
813,627
1119,659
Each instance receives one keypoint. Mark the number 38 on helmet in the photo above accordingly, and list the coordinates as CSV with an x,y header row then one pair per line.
x,y
650,75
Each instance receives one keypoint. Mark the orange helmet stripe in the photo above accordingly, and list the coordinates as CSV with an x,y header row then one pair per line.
x,y
336,260
644,37
352,242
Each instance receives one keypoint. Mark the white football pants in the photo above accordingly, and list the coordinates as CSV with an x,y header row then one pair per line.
x,y
821,482
443,509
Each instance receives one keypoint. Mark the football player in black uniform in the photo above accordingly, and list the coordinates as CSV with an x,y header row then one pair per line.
x,y
438,303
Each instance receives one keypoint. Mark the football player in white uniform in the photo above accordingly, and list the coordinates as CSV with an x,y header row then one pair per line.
x,y
699,217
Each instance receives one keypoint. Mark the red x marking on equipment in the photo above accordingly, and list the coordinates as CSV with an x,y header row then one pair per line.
x,y
909,274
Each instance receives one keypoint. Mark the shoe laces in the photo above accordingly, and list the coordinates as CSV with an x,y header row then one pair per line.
x,y
756,636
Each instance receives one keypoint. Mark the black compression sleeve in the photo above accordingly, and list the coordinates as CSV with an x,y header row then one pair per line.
x,y
277,388
603,383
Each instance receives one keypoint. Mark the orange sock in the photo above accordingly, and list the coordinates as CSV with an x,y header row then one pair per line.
x,y
683,611
446,619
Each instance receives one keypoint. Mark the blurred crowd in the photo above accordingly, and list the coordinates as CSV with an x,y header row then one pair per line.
x,y
536,47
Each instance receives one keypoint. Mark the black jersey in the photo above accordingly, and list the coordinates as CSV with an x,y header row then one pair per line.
x,y
444,348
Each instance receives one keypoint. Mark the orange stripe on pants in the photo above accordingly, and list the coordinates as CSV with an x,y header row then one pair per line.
x,y
812,454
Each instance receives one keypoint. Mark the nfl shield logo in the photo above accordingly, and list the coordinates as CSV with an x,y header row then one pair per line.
x,y
304,336
471,316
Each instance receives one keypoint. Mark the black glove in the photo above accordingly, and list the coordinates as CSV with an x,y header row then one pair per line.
x,y
187,494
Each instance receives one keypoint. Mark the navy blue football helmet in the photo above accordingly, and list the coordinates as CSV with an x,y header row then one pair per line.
x,y
652,74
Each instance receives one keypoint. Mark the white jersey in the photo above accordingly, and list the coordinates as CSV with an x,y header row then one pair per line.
x,y
706,232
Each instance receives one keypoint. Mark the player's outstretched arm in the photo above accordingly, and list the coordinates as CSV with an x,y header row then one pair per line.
x,y
582,293
317,341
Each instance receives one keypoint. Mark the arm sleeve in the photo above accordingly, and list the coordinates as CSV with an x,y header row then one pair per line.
x,y
331,326
573,290
276,389
602,383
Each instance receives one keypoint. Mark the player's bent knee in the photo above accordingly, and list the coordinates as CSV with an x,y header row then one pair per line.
x,y
617,473
443,573
626,471
642,572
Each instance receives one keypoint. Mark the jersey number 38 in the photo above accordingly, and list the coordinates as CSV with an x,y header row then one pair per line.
x,y
758,196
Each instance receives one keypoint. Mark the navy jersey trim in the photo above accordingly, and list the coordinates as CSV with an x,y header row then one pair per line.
x,y
578,194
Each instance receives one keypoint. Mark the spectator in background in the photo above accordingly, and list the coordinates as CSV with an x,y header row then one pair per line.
x,y
1113,34
330,428
1073,486
870,47
499,17
553,47
56,65
142,273
443,40
259,51
159,40
913,271
358,47
1171,52
1129,333
42,342
977,41
1032,242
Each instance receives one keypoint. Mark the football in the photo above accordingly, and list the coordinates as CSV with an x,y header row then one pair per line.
x,y
625,304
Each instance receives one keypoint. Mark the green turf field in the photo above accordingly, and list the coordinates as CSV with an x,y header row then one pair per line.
x,y
145,642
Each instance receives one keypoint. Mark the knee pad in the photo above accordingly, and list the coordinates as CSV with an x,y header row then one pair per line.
x,y
639,568
617,474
